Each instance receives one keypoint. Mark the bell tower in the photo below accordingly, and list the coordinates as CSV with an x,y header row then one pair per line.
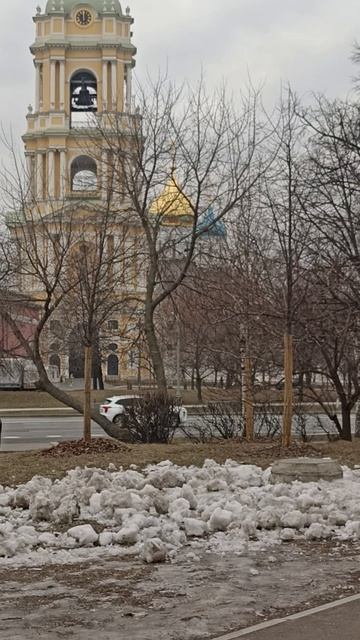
x,y
83,59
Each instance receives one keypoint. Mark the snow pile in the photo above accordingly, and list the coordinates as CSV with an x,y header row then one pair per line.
x,y
154,512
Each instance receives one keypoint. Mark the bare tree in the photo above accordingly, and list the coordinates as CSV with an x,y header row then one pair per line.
x,y
285,197
42,247
333,180
184,152
98,285
332,329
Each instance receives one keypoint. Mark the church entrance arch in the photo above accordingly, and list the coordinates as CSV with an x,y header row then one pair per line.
x,y
76,354
113,365
54,361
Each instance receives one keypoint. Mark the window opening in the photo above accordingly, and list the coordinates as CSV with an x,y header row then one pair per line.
x,y
83,99
83,174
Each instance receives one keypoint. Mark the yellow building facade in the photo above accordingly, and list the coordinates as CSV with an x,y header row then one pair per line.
x,y
78,45
84,60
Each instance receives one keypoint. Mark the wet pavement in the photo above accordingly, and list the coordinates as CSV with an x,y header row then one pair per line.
x,y
197,597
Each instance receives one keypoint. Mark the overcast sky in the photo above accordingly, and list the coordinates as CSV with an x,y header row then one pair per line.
x,y
306,42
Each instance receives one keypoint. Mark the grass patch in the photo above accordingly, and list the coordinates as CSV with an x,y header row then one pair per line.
x,y
33,399
19,467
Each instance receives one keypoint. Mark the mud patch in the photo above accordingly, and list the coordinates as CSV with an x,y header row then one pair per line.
x,y
194,598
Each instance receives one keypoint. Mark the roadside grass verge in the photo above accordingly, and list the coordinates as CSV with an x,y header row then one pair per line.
x,y
18,467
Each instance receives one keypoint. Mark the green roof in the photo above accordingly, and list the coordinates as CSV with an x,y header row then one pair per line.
x,y
99,5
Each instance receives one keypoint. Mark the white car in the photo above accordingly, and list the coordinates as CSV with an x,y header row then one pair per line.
x,y
114,408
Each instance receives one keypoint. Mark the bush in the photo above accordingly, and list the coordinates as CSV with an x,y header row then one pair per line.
x,y
224,421
218,421
267,422
153,419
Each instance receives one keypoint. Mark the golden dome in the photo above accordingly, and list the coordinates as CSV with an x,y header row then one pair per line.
x,y
172,206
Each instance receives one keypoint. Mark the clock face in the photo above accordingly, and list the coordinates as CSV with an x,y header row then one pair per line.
x,y
83,17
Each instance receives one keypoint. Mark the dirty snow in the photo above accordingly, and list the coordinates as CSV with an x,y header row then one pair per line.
x,y
155,512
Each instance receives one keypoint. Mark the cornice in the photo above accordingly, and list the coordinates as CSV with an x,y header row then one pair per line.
x,y
83,46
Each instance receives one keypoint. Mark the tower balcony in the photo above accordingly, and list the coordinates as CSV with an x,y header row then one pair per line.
x,y
59,122
42,123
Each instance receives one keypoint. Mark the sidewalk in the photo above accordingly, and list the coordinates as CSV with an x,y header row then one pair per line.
x,y
37,412
339,620
59,412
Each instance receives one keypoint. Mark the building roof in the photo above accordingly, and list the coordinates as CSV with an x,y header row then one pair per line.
x,y
210,226
102,6
172,205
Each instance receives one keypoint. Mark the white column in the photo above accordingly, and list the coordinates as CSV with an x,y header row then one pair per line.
x,y
29,175
114,83
39,176
128,88
104,86
37,87
28,166
52,85
51,173
62,85
63,176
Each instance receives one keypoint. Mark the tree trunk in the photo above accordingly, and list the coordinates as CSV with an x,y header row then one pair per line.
x,y
346,423
112,430
154,351
248,399
357,421
33,351
229,379
87,393
101,378
178,358
98,382
301,387
288,390
198,386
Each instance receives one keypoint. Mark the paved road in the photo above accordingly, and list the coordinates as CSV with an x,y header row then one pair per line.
x,y
339,621
37,433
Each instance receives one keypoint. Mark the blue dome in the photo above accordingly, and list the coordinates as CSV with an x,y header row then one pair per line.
x,y
217,228
98,5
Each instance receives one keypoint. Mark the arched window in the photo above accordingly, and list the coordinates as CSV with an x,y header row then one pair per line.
x,y
83,98
55,361
55,346
83,174
113,365
56,328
